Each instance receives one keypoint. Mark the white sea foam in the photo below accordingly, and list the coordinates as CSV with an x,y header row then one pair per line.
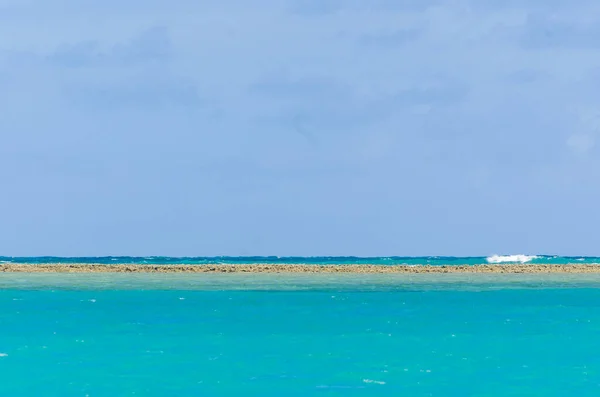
x,y
3,355
510,258
377,382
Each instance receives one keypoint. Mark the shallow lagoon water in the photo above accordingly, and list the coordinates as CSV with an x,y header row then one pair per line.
x,y
299,334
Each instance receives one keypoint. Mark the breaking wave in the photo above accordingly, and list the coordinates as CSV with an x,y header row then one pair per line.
x,y
510,258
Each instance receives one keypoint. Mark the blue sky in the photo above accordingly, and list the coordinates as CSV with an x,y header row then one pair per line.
x,y
299,127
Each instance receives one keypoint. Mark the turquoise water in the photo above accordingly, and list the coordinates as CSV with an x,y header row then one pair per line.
x,y
317,260
279,335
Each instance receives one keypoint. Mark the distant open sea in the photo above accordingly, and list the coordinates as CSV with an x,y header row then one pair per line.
x,y
110,335
316,260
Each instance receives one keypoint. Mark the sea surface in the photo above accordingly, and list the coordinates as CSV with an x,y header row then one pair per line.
x,y
316,260
108,335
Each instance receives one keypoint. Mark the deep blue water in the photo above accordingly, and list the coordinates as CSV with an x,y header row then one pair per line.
x,y
264,335
317,260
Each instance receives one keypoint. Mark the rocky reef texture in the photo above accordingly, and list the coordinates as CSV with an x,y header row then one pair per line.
x,y
294,268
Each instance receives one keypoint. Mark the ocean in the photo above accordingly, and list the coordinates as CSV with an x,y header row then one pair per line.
x,y
416,335
315,260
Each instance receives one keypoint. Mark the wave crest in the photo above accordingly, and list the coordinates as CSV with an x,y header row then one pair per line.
x,y
510,258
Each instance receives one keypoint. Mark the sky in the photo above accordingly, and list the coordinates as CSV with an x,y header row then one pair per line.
x,y
299,127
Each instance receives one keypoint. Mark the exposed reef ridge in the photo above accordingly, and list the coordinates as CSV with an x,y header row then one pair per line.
x,y
295,268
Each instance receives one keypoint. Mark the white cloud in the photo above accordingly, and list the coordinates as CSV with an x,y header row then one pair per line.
x,y
581,143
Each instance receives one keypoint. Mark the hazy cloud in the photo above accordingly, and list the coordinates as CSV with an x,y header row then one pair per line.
x,y
542,32
152,45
